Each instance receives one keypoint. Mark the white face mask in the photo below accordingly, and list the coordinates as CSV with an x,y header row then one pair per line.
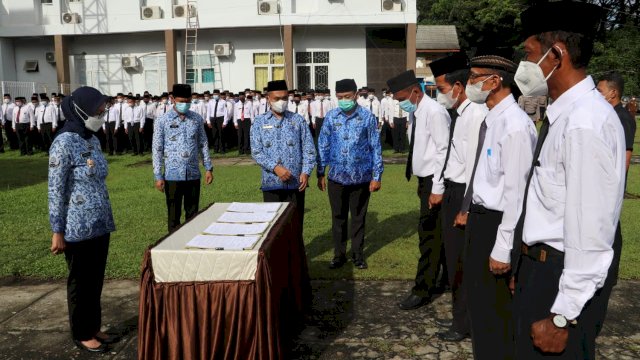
x,y
6,101
447,100
530,78
290,98
475,93
370,96
44,103
120,101
279,106
92,123
319,97
207,98
54,102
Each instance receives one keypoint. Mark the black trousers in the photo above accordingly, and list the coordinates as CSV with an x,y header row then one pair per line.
x,y
388,133
430,242
244,129
344,199
208,131
217,141
2,139
12,138
399,134
294,196
135,138
47,136
176,192
112,138
86,261
489,297
148,134
24,137
319,122
536,290
453,239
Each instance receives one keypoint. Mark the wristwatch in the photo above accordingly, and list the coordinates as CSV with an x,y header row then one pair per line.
x,y
562,322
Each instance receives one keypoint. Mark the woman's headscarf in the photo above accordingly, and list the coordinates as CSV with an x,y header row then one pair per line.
x,y
89,101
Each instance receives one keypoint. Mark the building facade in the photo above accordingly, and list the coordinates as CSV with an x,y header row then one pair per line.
x,y
133,46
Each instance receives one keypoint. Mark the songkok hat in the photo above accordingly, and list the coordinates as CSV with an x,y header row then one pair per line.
x,y
449,64
7,95
182,90
346,85
575,17
206,92
277,85
216,91
120,94
493,62
402,81
164,95
34,98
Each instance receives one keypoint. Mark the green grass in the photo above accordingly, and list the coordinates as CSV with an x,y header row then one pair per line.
x,y
140,216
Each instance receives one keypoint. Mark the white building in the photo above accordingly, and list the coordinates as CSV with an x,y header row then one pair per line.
x,y
133,46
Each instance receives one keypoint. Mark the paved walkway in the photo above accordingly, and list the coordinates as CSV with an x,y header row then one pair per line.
x,y
350,320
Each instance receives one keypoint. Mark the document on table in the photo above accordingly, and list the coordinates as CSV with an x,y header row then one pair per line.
x,y
250,217
236,229
253,207
223,242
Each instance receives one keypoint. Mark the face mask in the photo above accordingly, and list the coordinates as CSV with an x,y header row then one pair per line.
x,y
447,99
182,107
320,98
92,123
18,103
475,93
290,98
34,104
44,103
6,101
194,101
278,106
530,78
165,101
216,97
407,105
120,101
370,97
346,104
207,99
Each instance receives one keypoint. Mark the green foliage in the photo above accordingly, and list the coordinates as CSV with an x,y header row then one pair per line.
x,y
620,52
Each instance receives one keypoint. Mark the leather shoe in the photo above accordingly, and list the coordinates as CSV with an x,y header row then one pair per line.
x,y
445,323
337,262
361,264
413,302
111,339
97,350
451,335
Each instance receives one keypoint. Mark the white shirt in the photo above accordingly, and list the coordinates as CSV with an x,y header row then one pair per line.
x,y
119,109
384,108
264,106
575,196
248,111
219,110
133,115
373,105
502,169
320,108
231,106
162,109
39,115
395,111
26,115
299,109
464,142
7,112
431,141
149,109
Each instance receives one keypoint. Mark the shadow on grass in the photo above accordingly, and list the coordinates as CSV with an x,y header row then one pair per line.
x,y
22,172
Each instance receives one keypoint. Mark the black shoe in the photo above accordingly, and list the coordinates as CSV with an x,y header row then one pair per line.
x,y
360,264
451,335
337,262
445,323
413,302
99,350
111,339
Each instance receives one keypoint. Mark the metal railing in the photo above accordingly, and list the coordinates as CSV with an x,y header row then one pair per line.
x,y
26,88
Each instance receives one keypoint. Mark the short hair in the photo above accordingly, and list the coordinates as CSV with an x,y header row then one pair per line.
x,y
580,47
461,75
614,81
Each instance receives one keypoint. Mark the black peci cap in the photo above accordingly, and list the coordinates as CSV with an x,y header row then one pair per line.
x,y
570,16
402,81
182,91
449,64
346,85
277,85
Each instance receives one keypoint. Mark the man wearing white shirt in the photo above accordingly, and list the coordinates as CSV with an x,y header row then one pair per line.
x,y
574,196
242,120
134,118
430,136
298,107
385,133
23,123
46,122
372,104
451,75
149,105
217,121
492,204
319,109
264,103
398,124
6,122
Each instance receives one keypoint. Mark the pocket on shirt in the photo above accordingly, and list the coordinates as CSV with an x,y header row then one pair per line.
x,y
547,186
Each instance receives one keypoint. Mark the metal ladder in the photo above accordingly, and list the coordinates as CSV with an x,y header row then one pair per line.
x,y
191,40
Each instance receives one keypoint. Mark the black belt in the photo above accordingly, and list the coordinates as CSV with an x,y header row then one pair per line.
x,y
479,209
542,253
452,184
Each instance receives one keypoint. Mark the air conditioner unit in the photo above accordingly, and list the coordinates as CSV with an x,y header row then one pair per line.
x,y
180,11
70,18
129,62
391,5
222,49
268,7
51,57
151,12
31,65
75,1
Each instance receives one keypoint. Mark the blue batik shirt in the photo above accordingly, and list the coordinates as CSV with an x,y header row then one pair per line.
x,y
350,146
79,203
176,145
285,142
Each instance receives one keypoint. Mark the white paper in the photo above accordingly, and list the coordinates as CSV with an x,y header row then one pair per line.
x,y
240,217
236,229
223,242
254,207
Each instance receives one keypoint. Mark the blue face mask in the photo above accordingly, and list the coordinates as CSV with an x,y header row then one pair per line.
x,y
408,106
346,104
182,107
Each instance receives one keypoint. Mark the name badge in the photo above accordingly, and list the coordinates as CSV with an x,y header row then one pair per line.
x,y
267,126
86,154
488,152
173,126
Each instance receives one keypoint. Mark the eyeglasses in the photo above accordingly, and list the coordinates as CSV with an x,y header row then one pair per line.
x,y
474,76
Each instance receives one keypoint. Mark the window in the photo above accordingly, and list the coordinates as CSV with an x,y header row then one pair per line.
x,y
312,70
155,73
267,67
47,2
200,71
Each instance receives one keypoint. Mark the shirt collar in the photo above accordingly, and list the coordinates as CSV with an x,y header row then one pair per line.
x,y
465,104
499,109
556,108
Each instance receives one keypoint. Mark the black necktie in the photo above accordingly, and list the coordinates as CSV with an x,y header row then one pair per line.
x,y
454,117
517,236
215,111
408,169
58,111
468,196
